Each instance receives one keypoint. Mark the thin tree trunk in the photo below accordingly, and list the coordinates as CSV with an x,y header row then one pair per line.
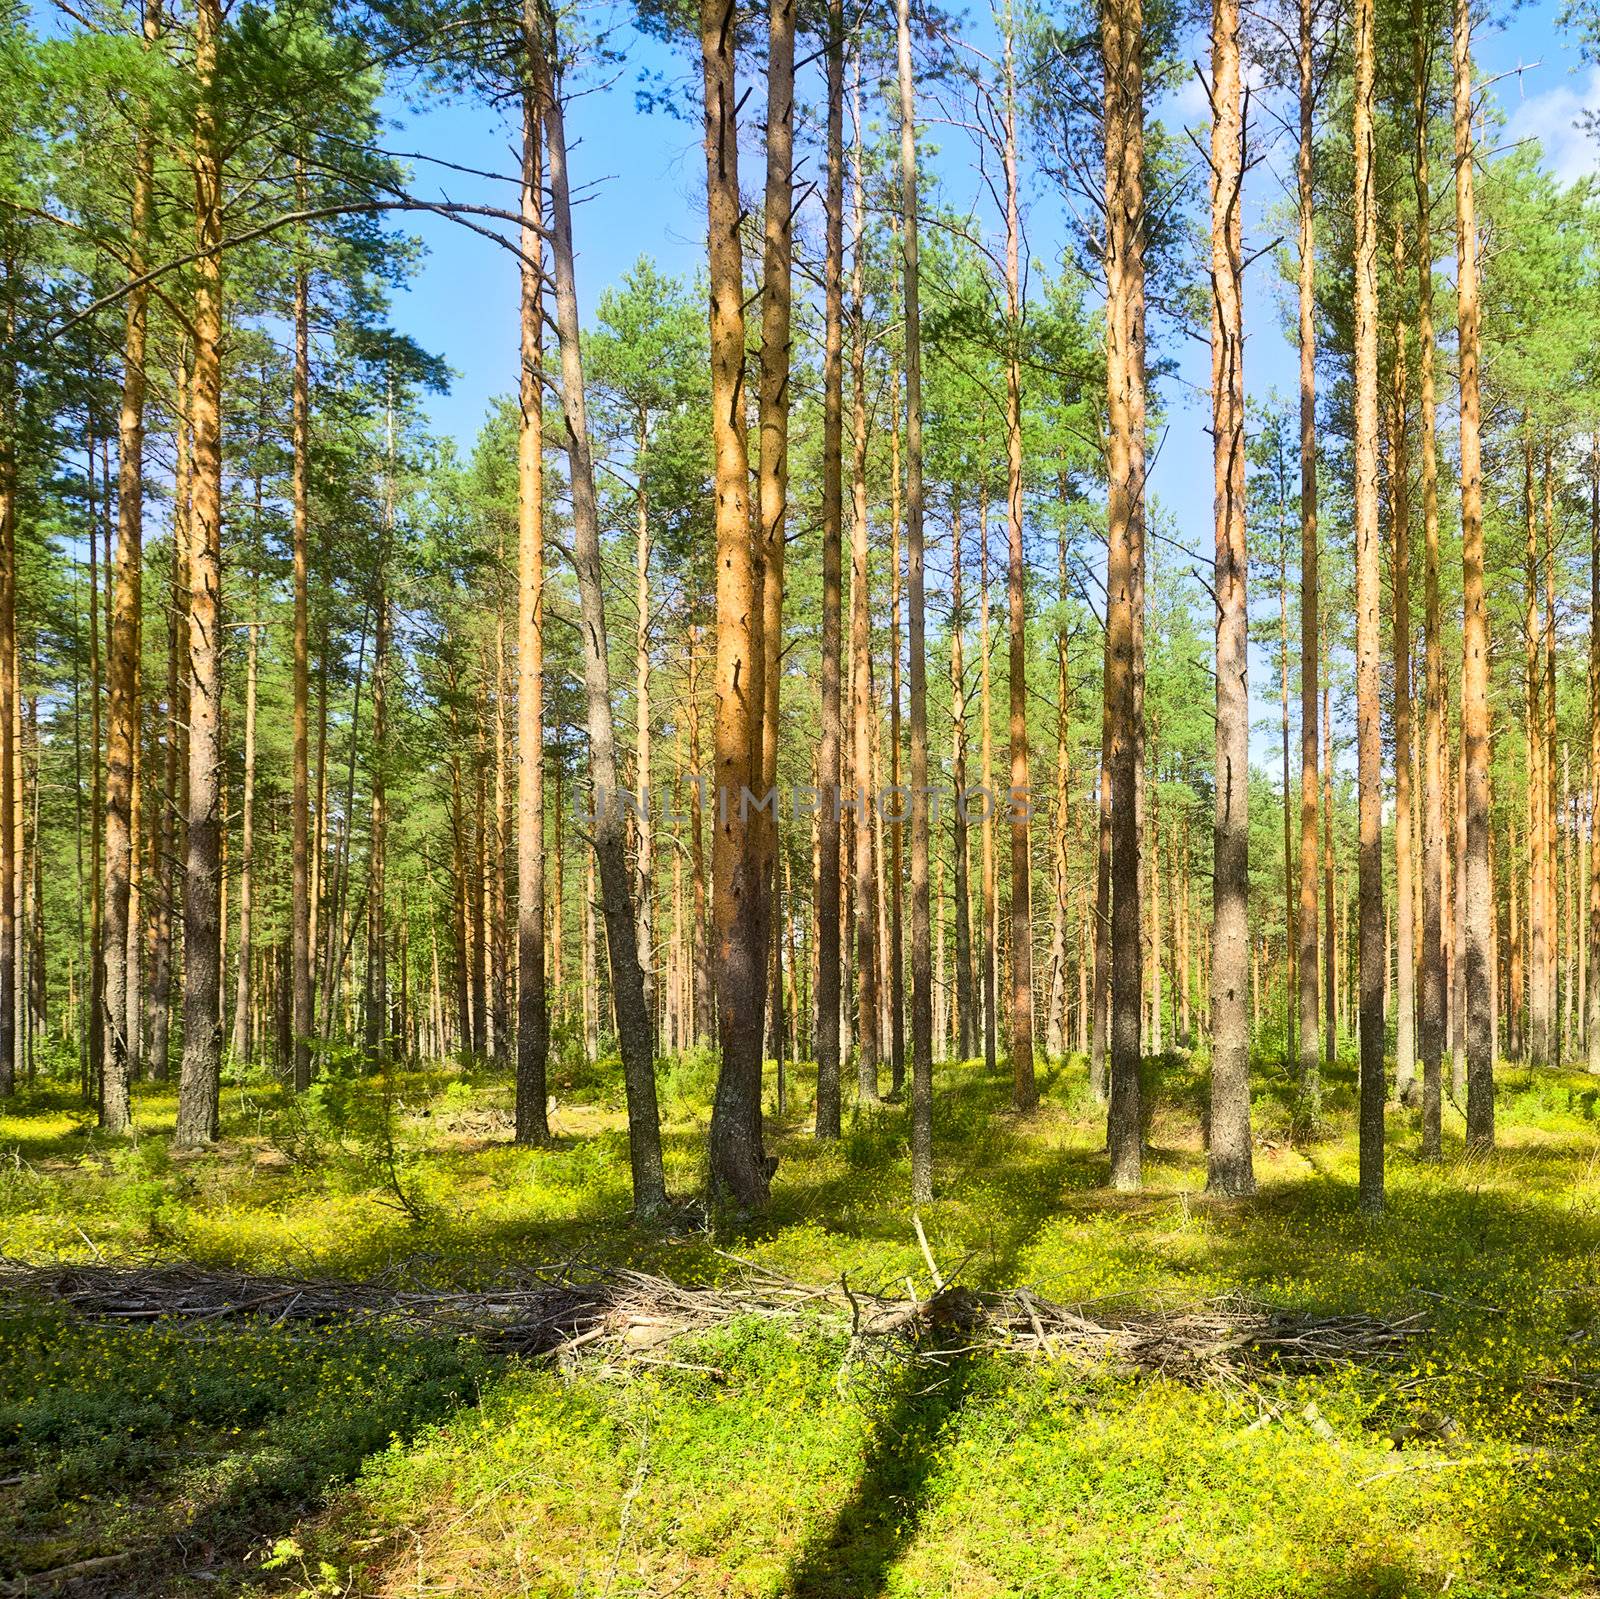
x,y
627,980
1400,533
1024,1089
1592,1021
123,654
866,881
199,1088
533,1018
1228,1166
897,1040
987,946
1475,628
302,1014
921,927
241,995
958,765
827,995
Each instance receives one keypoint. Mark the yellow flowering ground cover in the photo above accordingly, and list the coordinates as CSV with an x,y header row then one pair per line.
x,y
344,1460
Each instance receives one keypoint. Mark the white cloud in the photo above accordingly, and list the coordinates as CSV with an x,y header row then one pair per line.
x,y
1570,151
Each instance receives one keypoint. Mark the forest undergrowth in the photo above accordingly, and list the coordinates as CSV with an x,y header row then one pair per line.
x,y
178,1458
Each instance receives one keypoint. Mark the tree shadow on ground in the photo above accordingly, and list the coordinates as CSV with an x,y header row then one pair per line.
x,y
851,1556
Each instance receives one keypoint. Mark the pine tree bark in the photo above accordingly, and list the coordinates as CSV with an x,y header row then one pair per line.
x,y
533,1018
1310,1064
1400,560
1369,737
1024,1088
1228,1162
1122,27
241,992
961,843
738,1162
866,879
1433,844
122,656
302,1017
1475,628
610,844
827,996
199,1087
1592,984
921,921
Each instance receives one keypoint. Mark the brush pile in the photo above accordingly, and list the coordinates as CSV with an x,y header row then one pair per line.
x,y
631,1317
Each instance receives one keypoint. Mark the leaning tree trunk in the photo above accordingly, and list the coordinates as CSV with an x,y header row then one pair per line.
x,y
1369,736
1478,911
916,600
533,1020
1228,1164
610,834
199,1088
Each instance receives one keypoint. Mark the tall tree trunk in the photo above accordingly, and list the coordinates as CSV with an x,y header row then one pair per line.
x,y
644,853
958,763
1228,1166
241,993
610,843
199,1088
897,1039
1369,736
1538,920
8,694
921,923
773,494
1122,30
123,653
302,1015
866,880
1400,533
988,952
827,885
1024,1089
1475,628
1433,957
1592,1015
533,1019
703,990
1310,1092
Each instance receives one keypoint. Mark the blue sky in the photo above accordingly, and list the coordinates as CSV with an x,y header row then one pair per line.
x,y
644,193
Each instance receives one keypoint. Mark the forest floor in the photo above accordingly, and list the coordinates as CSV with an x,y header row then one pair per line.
x,y
351,1457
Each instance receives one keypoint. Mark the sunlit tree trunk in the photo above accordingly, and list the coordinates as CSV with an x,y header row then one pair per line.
x,y
610,852
302,1017
988,942
738,1161
1369,736
241,992
827,996
897,1040
866,880
921,924
1538,949
1024,1090
533,1018
1400,548
1229,1169
200,1083
1475,628
1592,985
958,766
1122,29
